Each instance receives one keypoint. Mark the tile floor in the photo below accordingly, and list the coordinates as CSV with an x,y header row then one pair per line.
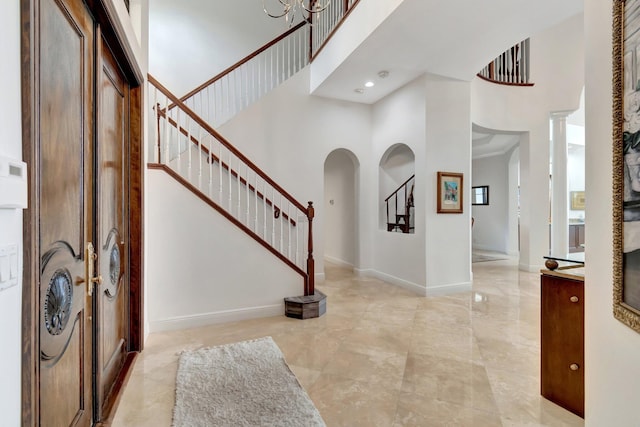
x,y
383,356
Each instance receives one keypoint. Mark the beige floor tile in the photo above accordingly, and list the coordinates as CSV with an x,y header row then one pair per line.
x,y
382,356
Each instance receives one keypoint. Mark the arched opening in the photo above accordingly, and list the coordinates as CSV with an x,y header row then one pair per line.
x,y
397,190
496,168
341,207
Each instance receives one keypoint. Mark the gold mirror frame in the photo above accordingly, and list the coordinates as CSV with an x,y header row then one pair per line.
x,y
622,310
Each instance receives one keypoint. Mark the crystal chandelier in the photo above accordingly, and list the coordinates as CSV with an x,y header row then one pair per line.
x,y
291,7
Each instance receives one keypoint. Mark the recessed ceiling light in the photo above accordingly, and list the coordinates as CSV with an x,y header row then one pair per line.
x,y
369,84
383,74
359,90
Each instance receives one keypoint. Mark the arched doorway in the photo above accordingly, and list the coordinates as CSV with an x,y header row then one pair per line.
x,y
341,207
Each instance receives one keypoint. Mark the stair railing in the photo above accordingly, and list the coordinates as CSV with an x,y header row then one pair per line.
x,y
325,24
401,203
510,68
220,98
206,163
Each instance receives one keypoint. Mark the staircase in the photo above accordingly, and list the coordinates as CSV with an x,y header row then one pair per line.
x,y
188,148
399,205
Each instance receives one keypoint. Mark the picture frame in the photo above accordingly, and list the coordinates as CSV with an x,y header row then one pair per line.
x,y
626,162
480,195
450,192
577,200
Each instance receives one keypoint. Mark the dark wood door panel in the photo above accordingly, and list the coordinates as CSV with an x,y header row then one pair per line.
x,y
65,120
112,228
64,175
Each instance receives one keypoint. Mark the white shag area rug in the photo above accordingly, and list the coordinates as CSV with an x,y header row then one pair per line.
x,y
243,384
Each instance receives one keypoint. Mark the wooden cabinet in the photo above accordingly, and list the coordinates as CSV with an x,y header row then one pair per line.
x,y
562,340
576,238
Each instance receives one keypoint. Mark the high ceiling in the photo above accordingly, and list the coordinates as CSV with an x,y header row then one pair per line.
x,y
455,38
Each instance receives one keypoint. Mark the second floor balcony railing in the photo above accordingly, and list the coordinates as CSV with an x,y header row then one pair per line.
x,y
510,68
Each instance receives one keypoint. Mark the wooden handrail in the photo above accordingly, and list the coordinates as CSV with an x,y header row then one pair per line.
x,y
400,187
242,62
227,215
226,143
503,83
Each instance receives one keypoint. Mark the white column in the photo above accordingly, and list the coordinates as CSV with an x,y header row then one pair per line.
x,y
559,197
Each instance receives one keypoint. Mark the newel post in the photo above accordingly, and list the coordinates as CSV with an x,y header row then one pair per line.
x,y
310,288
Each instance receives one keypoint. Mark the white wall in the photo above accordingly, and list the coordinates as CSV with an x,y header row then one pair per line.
x,y
612,371
399,119
557,88
340,208
204,270
190,43
491,226
10,219
448,148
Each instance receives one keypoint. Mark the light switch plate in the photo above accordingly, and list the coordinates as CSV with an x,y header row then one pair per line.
x,y
4,267
13,264
9,263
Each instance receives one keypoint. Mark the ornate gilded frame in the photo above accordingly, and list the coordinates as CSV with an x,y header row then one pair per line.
x,y
624,142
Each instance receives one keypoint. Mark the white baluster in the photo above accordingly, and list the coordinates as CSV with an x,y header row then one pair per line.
x,y
210,167
200,158
230,190
220,171
179,138
167,137
156,126
264,211
248,195
297,235
188,125
226,101
289,228
281,224
255,186
273,217
239,183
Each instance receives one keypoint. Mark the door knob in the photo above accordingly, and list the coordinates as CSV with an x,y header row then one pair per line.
x,y
574,366
574,299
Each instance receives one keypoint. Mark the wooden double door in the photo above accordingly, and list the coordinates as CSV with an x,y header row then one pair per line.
x,y
81,201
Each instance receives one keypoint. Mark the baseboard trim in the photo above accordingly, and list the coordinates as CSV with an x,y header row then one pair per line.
x,y
443,290
338,262
530,268
433,291
225,316
405,284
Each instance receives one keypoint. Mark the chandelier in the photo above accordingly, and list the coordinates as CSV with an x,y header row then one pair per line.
x,y
291,7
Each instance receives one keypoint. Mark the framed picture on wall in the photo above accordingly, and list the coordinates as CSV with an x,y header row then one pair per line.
x,y
577,200
626,162
450,192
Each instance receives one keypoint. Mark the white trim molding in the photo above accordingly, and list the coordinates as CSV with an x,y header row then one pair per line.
x,y
224,316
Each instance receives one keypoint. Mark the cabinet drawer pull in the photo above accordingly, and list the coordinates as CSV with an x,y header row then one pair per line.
x,y
574,299
574,366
